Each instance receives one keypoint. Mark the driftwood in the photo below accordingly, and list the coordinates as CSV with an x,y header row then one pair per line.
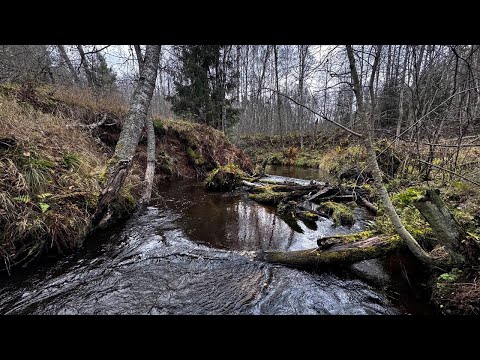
x,y
322,193
316,192
345,253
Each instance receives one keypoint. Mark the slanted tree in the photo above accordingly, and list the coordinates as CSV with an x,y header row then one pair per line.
x,y
366,121
120,163
150,130
68,63
86,66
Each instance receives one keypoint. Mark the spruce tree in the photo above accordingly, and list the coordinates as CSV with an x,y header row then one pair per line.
x,y
205,85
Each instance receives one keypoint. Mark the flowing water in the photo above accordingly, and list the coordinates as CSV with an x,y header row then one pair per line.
x,y
191,252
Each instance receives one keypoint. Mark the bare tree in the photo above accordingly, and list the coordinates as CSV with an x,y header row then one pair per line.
x,y
279,115
121,161
412,244
150,130
66,60
85,65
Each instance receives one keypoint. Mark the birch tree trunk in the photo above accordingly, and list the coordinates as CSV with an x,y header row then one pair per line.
x,y
412,244
150,170
120,163
278,97
66,60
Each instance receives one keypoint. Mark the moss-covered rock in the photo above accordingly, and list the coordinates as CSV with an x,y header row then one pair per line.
x,y
341,214
224,178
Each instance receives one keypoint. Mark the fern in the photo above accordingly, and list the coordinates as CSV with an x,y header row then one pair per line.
x,y
43,206
22,198
44,196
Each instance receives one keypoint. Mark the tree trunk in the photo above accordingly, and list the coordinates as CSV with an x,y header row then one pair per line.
x,y
447,230
278,97
401,106
88,72
302,50
343,254
412,244
140,59
150,170
66,60
131,131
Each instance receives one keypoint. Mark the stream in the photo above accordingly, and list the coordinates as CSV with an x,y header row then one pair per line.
x,y
192,252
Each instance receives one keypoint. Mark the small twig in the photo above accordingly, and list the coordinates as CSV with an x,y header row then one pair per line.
x,y
449,171
316,113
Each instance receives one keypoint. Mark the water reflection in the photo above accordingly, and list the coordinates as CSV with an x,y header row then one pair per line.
x,y
236,222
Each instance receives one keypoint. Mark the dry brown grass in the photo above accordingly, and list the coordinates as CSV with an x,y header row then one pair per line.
x,y
52,169
80,97
49,182
48,135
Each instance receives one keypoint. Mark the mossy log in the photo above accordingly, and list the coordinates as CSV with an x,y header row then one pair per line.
x,y
273,194
275,197
447,230
269,197
346,253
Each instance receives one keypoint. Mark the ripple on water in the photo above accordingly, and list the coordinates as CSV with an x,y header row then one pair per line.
x,y
192,254
152,268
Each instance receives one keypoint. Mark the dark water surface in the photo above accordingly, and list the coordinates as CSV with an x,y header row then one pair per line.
x,y
192,252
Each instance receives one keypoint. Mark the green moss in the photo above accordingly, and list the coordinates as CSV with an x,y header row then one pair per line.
x,y
460,185
112,161
127,196
357,236
341,214
446,279
408,196
195,157
224,178
464,218
310,215
411,219
268,197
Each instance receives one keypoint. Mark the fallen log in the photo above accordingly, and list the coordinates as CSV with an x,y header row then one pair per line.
x,y
274,197
269,197
367,204
322,193
346,253
252,184
336,198
282,187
